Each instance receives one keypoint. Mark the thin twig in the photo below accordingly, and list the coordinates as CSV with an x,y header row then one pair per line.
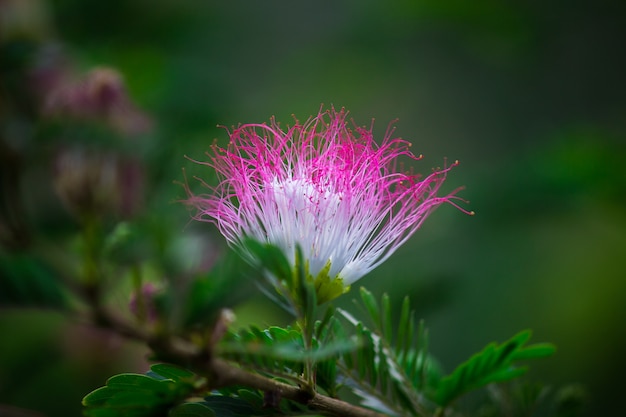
x,y
228,374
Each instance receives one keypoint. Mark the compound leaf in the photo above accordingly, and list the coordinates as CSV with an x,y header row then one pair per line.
x,y
495,363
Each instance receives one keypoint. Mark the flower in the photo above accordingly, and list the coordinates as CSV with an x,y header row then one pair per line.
x,y
322,186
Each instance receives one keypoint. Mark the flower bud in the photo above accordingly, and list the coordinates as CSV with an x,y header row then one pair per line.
x,y
98,183
100,96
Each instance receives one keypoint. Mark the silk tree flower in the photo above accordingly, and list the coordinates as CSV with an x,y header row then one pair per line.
x,y
323,186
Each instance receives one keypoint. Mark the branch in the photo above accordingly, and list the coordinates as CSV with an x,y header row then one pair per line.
x,y
221,373
227,374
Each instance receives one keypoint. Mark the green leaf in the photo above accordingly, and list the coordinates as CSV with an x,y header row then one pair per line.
x,y
99,396
275,275
136,382
374,370
493,364
506,375
400,374
305,290
421,368
539,350
326,376
269,257
223,406
323,328
282,351
252,397
405,333
281,345
243,403
175,373
137,395
371,305
386,326
192,410
404,337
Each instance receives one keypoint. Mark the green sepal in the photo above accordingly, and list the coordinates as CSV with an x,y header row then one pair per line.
x,y
328,288
271,258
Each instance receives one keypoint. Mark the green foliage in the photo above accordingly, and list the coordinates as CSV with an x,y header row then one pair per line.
x,y
270,258
297,291
389,368
522,396
273,349
525,399
294,288
218,406
175,373
26,281
242,402
281,350
192,410
225,285
327,331
398,371
274,268
570,401
495,363
177,392
139,395
305,291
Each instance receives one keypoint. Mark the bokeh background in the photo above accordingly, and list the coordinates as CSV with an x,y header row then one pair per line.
x,y
529,95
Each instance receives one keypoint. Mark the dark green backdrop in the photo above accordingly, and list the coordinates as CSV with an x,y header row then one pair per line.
x,y
528,95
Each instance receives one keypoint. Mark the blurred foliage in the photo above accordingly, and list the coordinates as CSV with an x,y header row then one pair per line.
x,y
100,101
391,370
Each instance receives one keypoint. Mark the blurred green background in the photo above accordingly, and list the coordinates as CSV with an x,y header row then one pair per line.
x,y
529,96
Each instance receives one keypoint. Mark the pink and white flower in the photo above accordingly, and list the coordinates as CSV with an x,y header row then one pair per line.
x,y
322,185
